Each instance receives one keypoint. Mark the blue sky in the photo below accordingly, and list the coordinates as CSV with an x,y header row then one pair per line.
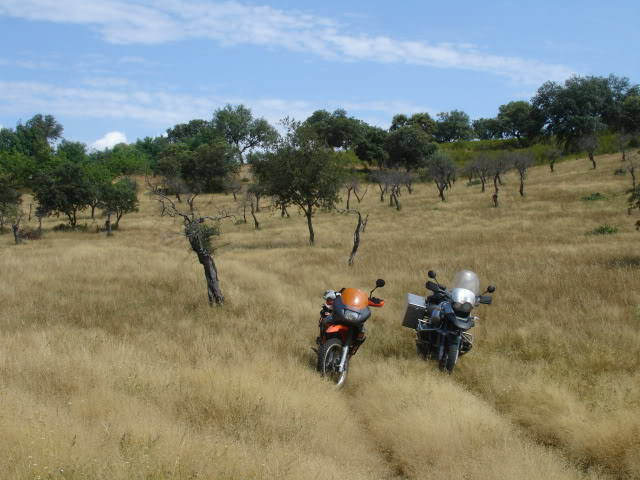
x,y
134,68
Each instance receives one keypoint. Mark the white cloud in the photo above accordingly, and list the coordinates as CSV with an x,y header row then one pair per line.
x,y
232,23
109,140
106,82
163,109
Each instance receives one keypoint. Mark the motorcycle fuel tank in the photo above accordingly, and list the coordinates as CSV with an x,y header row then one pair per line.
x,y
415,310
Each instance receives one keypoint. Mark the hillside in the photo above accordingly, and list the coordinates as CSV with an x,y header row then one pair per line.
x,y
113,366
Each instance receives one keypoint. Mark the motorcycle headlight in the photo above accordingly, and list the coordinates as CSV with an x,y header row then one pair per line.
x,y
351,316
463,307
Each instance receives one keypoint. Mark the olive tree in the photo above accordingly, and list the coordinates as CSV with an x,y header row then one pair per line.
x,y
553,155
480,167
118,199
353,186
201,232
521,161
440,169
301,170
498,167
589,143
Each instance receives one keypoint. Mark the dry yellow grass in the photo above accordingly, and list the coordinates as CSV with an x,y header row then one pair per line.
x,y
112,366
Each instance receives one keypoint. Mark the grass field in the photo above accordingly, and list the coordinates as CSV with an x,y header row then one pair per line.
x,y
112,366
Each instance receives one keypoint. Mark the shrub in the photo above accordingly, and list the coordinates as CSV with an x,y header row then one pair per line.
x,y
594,196
28,233
620,171
604,230
475,181
63,227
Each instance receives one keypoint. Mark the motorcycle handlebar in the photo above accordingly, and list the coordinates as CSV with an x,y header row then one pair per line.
x,y
434,287
376,302
485,299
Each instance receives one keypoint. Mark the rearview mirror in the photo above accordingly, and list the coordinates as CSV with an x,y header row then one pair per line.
x,y
380,283
491,288
432,274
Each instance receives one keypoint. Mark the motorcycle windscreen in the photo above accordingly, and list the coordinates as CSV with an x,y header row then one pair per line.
x,y
467,280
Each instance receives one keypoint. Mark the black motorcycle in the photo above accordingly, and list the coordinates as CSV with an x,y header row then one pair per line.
x,y
442,321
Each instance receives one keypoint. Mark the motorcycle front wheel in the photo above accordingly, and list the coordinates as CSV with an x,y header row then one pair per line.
x,y
329,355
449,359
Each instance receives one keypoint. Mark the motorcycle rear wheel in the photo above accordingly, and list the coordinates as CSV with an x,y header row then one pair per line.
x,y
329,355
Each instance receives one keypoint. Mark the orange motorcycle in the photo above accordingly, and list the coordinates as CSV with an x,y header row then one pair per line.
x,y
342,332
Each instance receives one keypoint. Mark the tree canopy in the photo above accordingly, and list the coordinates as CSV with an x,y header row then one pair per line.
x,y
301,170
408,148
241,130
452,126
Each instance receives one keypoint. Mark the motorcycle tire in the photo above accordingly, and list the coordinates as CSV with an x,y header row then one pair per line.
x,y
329,355
450,359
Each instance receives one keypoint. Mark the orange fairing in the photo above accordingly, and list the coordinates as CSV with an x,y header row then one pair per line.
x,y
373,304
336,328
352,297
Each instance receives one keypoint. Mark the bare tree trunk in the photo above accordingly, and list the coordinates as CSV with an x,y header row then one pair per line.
x,y
593,160
107,225
244,212
483,180
312,238
255,220
93,211
178,197
16,232
348,197
494,197
30,206
521,185
360,198
213,282
393,198
382,190
441,188
356,240
283,211
234,197
258,203
210,272
551,164
191,202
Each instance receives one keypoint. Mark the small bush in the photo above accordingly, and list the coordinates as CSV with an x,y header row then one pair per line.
x,y
620,171
604,230
28,233
240,221
594,196
63,227
475,181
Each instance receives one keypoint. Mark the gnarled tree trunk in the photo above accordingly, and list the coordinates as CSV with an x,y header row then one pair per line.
x,y
210,272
